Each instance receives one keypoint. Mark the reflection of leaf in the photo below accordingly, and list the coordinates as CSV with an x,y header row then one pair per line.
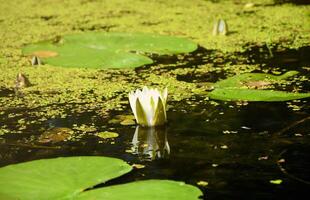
x,y
241,87
109,50
235,94
68,178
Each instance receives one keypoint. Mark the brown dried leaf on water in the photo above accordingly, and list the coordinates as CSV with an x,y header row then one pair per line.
x,y
257,84
54,135
208,86
123,120
37,55
45,54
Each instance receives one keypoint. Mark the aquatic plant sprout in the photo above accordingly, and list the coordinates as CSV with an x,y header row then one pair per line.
x,y
149,106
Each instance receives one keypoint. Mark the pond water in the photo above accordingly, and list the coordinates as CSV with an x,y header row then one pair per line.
x,y
241,149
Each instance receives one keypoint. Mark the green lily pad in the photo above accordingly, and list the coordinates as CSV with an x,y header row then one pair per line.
x,y
150,190
58,178
235,94
107,50
249,87
242,79
73,177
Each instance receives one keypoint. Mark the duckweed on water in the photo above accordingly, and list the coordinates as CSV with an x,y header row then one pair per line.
x,y
107,135
81,90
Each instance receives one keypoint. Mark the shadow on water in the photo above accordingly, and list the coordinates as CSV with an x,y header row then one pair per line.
x,y
4,92
237,147
275,56
296,2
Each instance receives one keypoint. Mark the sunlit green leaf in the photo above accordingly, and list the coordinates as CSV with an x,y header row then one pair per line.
x,y
234,94
108,50
57,178
145,190
250,87
72,178
241,79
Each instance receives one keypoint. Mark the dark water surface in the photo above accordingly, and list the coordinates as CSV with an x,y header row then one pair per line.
x,y
237,147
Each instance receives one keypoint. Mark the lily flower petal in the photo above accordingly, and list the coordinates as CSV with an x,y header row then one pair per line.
x,y
149,106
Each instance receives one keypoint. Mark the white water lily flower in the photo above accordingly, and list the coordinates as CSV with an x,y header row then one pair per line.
x,y
149,106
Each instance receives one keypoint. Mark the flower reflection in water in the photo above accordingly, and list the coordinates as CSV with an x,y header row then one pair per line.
x,y
151,143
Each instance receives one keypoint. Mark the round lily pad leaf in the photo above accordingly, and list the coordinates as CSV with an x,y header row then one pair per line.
x,y
235,94
145,190
249,87
247,78
75,55
57,178
72,178
108,50
140,42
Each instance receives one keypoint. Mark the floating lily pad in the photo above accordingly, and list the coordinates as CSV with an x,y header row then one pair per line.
x,y
108,50
73,177
235,94
57,178
150,190
241,87
244,79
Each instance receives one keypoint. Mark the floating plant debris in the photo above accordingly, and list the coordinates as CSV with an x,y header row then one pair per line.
x,y
107,135
21,81
54,135
220,27
276,181
36,61
123,120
